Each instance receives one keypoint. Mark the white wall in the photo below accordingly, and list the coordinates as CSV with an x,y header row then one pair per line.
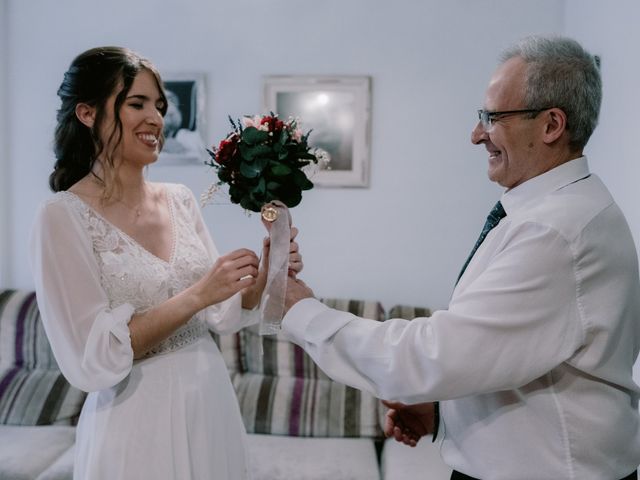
x,y
5,164
401,240
611,31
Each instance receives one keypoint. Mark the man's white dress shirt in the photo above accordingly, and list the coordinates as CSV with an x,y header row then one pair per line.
x,y
533,358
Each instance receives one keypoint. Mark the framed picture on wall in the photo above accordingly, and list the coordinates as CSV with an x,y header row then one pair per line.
x,y
184,123
337,110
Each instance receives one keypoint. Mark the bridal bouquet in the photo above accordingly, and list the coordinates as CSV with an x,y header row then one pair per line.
x,y
261,160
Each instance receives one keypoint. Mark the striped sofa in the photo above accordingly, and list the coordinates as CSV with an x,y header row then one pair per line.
x,y
301,424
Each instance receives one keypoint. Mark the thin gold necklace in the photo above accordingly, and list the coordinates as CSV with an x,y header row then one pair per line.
x,y
136,209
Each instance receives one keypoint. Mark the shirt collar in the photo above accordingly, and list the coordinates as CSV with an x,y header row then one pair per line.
x,y
548,182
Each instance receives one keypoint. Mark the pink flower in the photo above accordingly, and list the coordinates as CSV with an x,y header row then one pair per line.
x,y
296,135
248,121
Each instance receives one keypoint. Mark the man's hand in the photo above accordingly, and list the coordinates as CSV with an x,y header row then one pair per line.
x,y
408,423
296,291
251,296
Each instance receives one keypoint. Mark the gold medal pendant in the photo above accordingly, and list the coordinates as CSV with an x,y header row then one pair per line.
x,y
269,213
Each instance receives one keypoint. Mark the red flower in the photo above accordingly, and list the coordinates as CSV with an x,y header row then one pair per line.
x,y
227,150
274,124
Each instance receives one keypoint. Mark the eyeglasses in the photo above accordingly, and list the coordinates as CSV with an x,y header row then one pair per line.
x,y
488,118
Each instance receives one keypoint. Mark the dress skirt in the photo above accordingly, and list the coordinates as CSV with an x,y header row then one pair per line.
x,y
174,417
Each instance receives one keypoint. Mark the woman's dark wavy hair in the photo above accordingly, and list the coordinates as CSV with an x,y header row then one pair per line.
x,y
92,78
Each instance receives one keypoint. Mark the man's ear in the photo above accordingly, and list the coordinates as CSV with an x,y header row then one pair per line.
x,y
86,114
555,126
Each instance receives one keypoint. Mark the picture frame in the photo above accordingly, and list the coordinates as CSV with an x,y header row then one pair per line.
x,y
184,123
337,110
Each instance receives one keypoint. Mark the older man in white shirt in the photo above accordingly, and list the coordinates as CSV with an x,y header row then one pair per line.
x,y
532,361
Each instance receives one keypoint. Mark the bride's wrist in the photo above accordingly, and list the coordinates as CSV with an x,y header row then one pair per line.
x,y
195,298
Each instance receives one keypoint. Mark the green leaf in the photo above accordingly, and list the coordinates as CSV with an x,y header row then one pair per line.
x,y
249,152
283,154
261,150
291,198
258,197
249,204
245,151
235,193
280,170
253,136
249,170
308,156
301,180
224,174
308,185
261,162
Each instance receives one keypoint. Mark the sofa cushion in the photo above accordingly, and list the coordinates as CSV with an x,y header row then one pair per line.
x,y
305,407
275,355
22,338
285,458
28,451
38,397
283,392
32,389
408,312
229,346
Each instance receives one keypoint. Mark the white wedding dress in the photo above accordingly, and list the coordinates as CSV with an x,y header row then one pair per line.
x,y
171,415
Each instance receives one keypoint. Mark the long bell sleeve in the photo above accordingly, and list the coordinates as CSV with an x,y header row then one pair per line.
x,y
89,337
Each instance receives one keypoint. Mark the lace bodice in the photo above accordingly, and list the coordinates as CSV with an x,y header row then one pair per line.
x,y
131,274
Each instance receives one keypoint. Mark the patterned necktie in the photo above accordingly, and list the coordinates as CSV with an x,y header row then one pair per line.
x,y
494,217
496,214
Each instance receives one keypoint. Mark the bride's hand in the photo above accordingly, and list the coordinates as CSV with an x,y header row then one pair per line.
x,y
230,274
251,295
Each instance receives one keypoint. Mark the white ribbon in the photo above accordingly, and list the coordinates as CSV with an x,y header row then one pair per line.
x,y
272,304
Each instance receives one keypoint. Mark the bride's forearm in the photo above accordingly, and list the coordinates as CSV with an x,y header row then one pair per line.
x,y
149,328
229,275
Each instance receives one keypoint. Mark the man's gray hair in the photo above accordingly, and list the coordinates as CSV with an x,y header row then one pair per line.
x,y
562,74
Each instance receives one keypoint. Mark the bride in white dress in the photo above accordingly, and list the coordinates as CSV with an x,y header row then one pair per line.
x,y
128,281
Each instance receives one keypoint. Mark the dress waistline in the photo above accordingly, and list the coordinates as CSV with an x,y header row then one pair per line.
x,y
181,338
